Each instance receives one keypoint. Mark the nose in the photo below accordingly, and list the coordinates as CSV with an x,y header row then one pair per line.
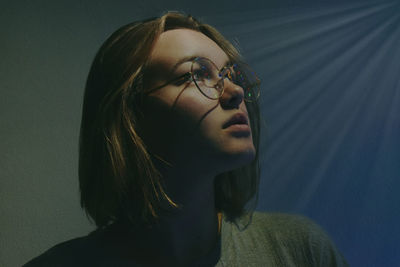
x,y
232,96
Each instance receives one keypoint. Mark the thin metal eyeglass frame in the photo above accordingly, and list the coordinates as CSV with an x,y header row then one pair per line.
x,y
189,74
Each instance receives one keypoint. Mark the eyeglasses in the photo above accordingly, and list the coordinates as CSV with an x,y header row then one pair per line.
x,y
210,80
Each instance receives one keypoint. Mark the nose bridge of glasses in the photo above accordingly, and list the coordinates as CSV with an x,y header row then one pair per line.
x,y
228,72
232,88
240,76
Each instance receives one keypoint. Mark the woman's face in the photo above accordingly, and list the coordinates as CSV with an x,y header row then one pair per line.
x,y
183,126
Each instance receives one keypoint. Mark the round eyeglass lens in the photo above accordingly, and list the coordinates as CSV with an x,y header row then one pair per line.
x,y
246,78
206,77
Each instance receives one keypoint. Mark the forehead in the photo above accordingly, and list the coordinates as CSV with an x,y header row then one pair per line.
x,y
176,44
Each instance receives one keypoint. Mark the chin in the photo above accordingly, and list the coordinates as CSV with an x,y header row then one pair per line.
x,y
237,159
247,156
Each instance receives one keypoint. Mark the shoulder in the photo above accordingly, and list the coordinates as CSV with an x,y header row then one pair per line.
x,y
288,229
64,254
95,249
286,223
298,234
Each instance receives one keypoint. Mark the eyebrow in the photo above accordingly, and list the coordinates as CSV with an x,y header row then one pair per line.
x,y
190,58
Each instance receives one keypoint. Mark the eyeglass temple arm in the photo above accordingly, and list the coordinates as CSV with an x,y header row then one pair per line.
x,y
185,75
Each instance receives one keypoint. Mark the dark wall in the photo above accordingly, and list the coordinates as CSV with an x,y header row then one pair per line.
x,y
330,103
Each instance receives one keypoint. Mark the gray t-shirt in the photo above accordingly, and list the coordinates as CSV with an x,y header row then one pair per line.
x,y
272,239
277,239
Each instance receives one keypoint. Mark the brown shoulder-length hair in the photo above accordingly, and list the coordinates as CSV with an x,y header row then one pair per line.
x,y
117,176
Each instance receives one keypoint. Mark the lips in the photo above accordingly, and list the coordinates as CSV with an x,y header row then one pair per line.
x,y
238,118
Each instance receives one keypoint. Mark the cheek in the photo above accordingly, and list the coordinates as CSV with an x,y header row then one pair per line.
x,y
169,120
198,116
192,110
191,107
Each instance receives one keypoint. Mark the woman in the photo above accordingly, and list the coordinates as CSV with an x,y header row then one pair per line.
x,y
169,146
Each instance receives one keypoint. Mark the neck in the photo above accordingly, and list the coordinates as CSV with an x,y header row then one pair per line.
x,y
189,234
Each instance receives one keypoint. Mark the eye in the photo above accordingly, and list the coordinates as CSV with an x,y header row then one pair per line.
x,y
202,74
